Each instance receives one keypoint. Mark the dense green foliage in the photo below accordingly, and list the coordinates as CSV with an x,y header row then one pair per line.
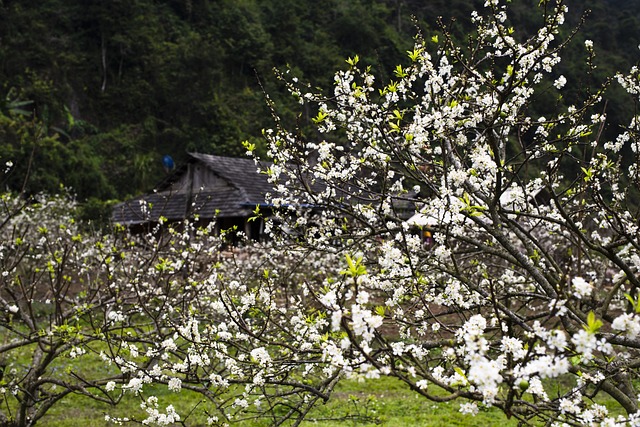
x,y
115,85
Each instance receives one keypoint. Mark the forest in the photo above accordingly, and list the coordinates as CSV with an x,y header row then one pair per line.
x,y
93,94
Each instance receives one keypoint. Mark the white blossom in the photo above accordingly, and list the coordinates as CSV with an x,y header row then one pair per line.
x,y
175,384
581,287
560,82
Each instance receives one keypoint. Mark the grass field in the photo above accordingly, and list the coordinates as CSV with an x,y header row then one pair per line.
x,y
377,402
397,406
383,402
380,402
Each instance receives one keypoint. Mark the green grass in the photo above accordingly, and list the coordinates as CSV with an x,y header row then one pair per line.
x,y
395,405
381,402
386,400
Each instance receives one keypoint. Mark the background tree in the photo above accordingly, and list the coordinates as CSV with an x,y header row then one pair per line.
x,y
115,316
125,84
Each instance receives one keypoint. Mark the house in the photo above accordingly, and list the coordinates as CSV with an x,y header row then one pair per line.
x,y
225,189
204,188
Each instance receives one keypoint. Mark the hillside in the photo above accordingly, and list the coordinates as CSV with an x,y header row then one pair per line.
x,y
94,93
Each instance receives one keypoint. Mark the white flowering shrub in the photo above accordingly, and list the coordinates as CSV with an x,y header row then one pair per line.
x,y
117,316
225,324
525,295
53,294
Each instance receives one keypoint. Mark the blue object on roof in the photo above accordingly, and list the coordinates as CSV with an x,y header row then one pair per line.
x,y
168,163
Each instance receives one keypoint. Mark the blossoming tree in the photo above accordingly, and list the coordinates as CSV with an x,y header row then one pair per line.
x,y
53,300
119,316
524,295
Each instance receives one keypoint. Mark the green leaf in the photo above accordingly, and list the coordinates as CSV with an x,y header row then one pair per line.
x,y
355,267
256,214
399,72
593,324
460,372
415,54
320,117
249,146
353,61
635,304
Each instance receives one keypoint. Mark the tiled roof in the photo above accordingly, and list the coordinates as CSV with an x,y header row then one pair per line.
x,y
246,190
241,173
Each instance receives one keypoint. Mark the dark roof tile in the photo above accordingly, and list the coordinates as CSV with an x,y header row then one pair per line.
x,y
248,188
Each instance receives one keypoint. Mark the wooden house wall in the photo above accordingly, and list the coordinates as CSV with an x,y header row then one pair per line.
x,y
197,178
